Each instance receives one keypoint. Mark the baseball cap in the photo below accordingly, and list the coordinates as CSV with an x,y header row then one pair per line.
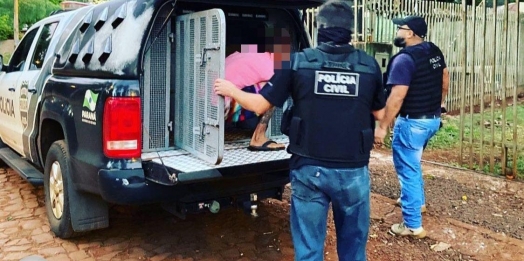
x,y
417,24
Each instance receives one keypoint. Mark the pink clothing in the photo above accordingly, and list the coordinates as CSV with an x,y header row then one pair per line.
x,y
246,69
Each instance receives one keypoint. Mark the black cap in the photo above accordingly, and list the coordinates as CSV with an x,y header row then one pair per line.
x,y
417,24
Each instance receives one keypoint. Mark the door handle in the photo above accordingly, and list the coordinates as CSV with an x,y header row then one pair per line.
x,y
203,54
11,89
32,90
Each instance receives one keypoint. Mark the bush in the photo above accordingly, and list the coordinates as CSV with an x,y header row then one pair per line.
x,y
6,30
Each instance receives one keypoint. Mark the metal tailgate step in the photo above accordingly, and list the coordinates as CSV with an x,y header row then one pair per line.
x,y
235,154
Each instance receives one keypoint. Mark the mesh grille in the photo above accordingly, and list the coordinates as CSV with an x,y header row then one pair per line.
x,y
216,29
158,92
201,88
212,107
198,112
191,73
276,120
155,89
180,70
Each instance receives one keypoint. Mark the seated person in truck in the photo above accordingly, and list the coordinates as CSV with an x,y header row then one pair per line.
x,y
249,70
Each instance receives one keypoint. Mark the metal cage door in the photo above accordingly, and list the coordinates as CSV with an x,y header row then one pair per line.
x,y
200,59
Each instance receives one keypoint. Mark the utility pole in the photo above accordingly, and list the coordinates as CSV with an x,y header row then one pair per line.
x,y
15,22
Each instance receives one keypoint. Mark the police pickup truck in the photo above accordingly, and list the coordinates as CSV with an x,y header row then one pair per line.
x,y
113,104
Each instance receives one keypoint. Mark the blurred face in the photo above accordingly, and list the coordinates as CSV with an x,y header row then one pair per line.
x,y
248,48
278,42
282,54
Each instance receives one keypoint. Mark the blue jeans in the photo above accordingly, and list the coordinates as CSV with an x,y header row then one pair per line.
x,y
348,190
410,137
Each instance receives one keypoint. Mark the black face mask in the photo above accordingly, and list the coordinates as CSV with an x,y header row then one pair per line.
x,y
399,42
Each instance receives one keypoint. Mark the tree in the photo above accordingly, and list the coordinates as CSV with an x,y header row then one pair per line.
x,y
30,11
6,31
33,10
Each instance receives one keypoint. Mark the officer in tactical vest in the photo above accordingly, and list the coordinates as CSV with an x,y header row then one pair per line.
x,y
335,90
417,80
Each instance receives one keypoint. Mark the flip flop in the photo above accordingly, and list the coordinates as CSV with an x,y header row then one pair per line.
x,y
264,147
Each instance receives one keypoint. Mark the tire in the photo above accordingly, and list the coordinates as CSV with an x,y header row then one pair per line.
x,y
2,163
56,184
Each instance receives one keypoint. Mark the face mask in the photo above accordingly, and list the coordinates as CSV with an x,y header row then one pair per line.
x,y
399,42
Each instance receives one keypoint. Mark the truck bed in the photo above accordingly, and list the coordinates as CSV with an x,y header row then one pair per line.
x,y
235,154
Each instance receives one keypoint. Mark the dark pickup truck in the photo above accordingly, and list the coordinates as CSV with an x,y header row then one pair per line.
x,y
113,104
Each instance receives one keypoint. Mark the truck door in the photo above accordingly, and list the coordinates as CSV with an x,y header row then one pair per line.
x,y
16,68
200,59
26,91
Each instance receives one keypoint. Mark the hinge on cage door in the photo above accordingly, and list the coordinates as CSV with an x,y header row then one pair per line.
x,y
203,56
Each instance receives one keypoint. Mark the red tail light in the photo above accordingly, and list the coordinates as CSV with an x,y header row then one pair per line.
x,y
122,127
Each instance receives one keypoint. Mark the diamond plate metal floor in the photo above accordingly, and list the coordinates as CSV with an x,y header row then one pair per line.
x,y
235,154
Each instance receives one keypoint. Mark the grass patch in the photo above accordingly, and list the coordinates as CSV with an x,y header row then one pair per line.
x,y
486,126
480,127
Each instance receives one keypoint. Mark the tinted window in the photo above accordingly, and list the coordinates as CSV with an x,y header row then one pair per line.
x,y
42,45
22,50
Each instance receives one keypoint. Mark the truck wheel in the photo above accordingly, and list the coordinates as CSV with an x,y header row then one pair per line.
x,y
56,182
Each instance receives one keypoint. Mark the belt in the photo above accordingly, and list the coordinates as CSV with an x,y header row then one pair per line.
x,y
419,116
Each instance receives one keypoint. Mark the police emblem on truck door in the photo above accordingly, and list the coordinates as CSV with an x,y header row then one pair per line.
x,y
336,83
24,103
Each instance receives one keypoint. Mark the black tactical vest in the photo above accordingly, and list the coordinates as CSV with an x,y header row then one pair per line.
x,y
333,94
425,90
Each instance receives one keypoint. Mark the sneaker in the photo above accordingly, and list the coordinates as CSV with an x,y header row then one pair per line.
x,y
423,208
402,230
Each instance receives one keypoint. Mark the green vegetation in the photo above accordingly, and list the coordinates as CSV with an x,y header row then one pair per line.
x,y
6,57
30,11
479,124
480,127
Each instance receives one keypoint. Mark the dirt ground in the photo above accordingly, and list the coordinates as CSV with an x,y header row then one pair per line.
x,y
465,210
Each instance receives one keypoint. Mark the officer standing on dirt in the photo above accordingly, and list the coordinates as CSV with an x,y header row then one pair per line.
x,y
418,81
335,88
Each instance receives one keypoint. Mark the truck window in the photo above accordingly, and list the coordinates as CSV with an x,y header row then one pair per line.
x,y
20,55
41,46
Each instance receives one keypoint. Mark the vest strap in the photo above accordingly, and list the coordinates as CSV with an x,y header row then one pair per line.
x,y
315,60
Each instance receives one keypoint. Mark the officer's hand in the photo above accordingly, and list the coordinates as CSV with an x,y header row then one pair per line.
x,y
442,111
380,135
224,87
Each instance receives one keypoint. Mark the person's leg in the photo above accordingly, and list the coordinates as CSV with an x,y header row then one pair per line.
x,y
350,197
259,137
408,143
308,212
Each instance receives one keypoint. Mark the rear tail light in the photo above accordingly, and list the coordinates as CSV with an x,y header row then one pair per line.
x,y
122,127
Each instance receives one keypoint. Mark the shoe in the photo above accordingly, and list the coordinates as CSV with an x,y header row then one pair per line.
x,y
402,230
265,147
423,208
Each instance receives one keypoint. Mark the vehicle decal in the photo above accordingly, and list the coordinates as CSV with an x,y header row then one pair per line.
x,y
7,106
89,107
24,103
